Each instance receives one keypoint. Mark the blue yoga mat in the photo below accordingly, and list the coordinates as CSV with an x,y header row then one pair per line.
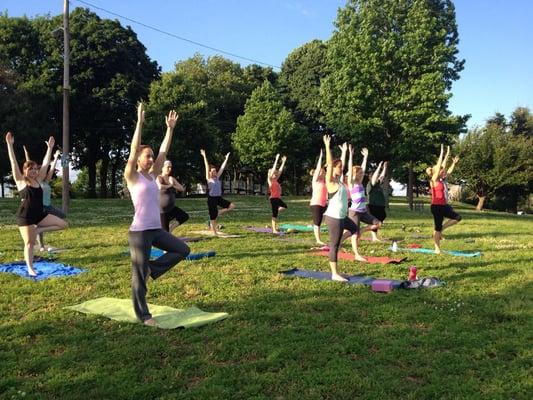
x,y
326,276
156,253
44,269
451,253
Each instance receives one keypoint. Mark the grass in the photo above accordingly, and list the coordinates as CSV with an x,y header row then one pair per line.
x,y
285,338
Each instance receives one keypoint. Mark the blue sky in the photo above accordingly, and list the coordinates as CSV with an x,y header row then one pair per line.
x,y
496,38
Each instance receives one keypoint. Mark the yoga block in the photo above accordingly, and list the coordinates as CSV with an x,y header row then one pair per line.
x,y
382,285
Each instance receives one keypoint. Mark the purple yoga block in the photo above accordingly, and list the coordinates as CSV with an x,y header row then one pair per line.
x,y
382,285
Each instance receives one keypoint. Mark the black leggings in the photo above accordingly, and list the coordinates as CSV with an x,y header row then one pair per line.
x,y
336,228
141,243
176,213
318,213
276,203
440,212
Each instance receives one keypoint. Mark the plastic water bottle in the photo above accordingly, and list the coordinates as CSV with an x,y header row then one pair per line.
x,y
412,273
394,246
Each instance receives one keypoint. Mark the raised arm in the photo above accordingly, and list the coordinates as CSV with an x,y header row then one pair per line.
x,y
330,184
221,169
283,159
364,152
170,121
15,170
375,175
46,160
206,164
350,165
344,149
271,171
454,161
437,167
383,172
26,153
275,166
52,168
445,161
318,167
130,172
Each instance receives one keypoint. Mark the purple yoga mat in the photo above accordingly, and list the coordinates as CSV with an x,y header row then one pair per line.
x,y
257,229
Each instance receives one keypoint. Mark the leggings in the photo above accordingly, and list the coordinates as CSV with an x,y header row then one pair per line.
x,y
141,243
176,213
54,211
336,229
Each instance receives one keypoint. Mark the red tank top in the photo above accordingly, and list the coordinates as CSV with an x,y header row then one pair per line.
x,y
275,190
438,196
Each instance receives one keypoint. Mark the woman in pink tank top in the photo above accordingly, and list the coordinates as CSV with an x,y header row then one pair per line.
x,y
439,203
145,231
319,198
274,187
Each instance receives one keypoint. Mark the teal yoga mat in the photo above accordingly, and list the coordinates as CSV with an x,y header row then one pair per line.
x,y
301,228
165,317
451,253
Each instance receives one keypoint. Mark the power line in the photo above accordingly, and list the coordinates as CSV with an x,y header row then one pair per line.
x,y
176,36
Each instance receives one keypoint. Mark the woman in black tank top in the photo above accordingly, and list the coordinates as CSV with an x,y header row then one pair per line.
x,y
31,218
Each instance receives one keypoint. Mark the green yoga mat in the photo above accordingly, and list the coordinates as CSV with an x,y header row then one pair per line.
x,y
165,317
300,228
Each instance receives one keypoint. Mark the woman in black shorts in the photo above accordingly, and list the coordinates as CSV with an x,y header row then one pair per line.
x,y
31,217
274,187
214,194
376,197
168,186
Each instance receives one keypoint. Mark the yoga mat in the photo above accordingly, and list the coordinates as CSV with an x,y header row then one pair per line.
x,y
156,253
257,229
192,239
165,317
414,246
451,253
45,269
301,228
369,259
352,279
220,234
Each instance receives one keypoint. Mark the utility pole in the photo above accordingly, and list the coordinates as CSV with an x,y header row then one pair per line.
x,y
66,117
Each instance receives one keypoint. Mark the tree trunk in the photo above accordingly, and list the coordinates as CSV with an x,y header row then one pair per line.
x,y
2,186
91,171
480,202
104,168
114,168
410,181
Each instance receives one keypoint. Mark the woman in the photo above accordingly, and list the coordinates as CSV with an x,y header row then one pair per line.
x,y
168,186
340,226
358,209
31,217
319,198
145,231
376,196
274,188
214,194
439,197
47,196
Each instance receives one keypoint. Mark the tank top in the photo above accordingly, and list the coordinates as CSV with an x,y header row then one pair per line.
x,y
438,196
275,190
47,193
167,199
31,202
376,195
357,194
215,187
145,197
320,194
338,204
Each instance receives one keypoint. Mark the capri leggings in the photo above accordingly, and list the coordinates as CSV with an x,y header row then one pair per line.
x,y
443,211
336,229
276,203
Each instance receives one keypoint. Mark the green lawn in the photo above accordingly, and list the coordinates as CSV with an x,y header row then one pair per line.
x,y
285,338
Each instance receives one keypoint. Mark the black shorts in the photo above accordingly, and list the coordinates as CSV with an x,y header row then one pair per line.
x,y
213,203
378,212
318,213
440,212
276,203
176,213
365,217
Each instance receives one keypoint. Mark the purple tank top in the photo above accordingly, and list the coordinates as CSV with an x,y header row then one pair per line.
x,y
145,197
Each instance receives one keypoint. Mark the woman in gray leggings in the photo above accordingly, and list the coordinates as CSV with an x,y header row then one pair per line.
x,y
145,231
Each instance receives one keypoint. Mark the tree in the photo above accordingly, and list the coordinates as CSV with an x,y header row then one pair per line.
x,y
391,65
521,122
267,128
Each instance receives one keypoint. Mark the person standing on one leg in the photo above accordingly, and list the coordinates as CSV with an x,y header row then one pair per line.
x,y
274,188
340,226
171,215
31,217
145,231
439,197
214,194
319,198
376,196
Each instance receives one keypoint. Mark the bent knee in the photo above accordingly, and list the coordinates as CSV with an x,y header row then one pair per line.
x,y
458,218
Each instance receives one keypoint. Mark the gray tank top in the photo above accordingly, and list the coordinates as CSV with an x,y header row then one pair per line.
x,y
215,187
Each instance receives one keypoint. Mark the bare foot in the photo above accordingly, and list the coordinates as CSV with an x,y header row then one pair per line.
x,y
437,251
32,272
360,258
150,322
275,232
337,277
321,243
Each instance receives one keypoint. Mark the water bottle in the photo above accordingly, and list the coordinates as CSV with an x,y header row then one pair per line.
x,y
394,246
412,273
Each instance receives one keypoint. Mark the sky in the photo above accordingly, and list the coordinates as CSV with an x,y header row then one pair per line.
x,y
496,38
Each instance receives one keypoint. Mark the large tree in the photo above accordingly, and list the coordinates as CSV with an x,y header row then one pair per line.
x,y
391,66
